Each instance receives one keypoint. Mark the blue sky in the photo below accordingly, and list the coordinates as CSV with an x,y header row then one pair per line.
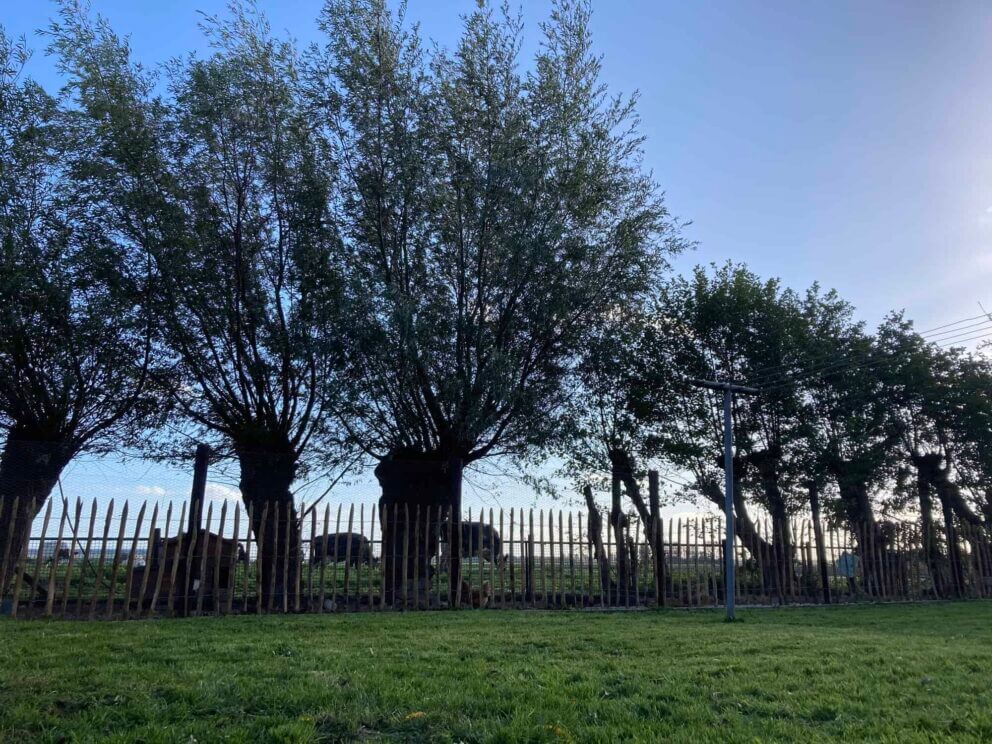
x,y
843,142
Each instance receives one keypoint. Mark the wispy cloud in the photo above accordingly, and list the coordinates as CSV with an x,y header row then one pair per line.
x,y
152,492
220,492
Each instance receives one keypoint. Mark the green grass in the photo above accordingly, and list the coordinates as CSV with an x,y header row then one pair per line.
x,y
893,673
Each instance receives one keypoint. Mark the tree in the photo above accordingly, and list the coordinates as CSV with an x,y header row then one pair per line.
x,y
224,186
971,425
935,400
850,435
494,219
605,438
76,350
731,325
917,385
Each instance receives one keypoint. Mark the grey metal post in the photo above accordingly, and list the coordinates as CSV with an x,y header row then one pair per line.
x,y
728,499
728,389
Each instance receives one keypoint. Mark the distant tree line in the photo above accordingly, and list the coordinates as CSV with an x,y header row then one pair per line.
x,y
853,427
374,251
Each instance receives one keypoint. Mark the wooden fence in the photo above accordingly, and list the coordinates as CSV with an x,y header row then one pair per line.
x,y
151,560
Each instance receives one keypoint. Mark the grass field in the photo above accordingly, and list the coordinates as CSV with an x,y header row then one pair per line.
x,y
895,673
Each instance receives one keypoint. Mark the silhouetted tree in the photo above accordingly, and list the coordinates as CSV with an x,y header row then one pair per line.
x,y
493,217
971,426
76,346
850,434
933,398
729,324
224,186
604,441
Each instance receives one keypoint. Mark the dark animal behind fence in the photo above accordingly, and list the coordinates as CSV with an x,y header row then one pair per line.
x,y
335,546
481,539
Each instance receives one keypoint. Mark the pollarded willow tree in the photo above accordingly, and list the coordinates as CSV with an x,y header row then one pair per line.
x,y
605,440
76,342
223,184
971,427
730,325
934,396
851,437
493,218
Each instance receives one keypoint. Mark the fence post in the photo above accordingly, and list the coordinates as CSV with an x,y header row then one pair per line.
x,y
406,554
585,578
455,530
323,558
286,554
18,568
347,556
218,559
129,568
571,559
260,555
372,554
176,558
149,552
249,528
274,558
199,489
112,591
7,555
529,567
39,559
103,555
657,547
50,599
74,543
233,568
414,567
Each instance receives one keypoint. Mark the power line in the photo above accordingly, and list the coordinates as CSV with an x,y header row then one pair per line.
x,y
845,361
958,329
848,365
986,322
956,322
675,481
829,360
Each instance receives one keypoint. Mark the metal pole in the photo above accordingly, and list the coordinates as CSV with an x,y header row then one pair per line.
x,y
728,389
728,498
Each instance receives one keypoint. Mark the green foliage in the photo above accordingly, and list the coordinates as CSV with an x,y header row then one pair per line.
x,y
76,342
494,218
223,184
727,324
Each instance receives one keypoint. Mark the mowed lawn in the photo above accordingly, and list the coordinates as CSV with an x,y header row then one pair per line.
x,y
894,673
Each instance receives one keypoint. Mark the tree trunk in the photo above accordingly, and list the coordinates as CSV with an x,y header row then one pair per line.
x,y
975,532
783,551
955,559
657,547
872,547
925,465
29,470
266,478
409,480
596,538
622,464
745,530
618,521
821,548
